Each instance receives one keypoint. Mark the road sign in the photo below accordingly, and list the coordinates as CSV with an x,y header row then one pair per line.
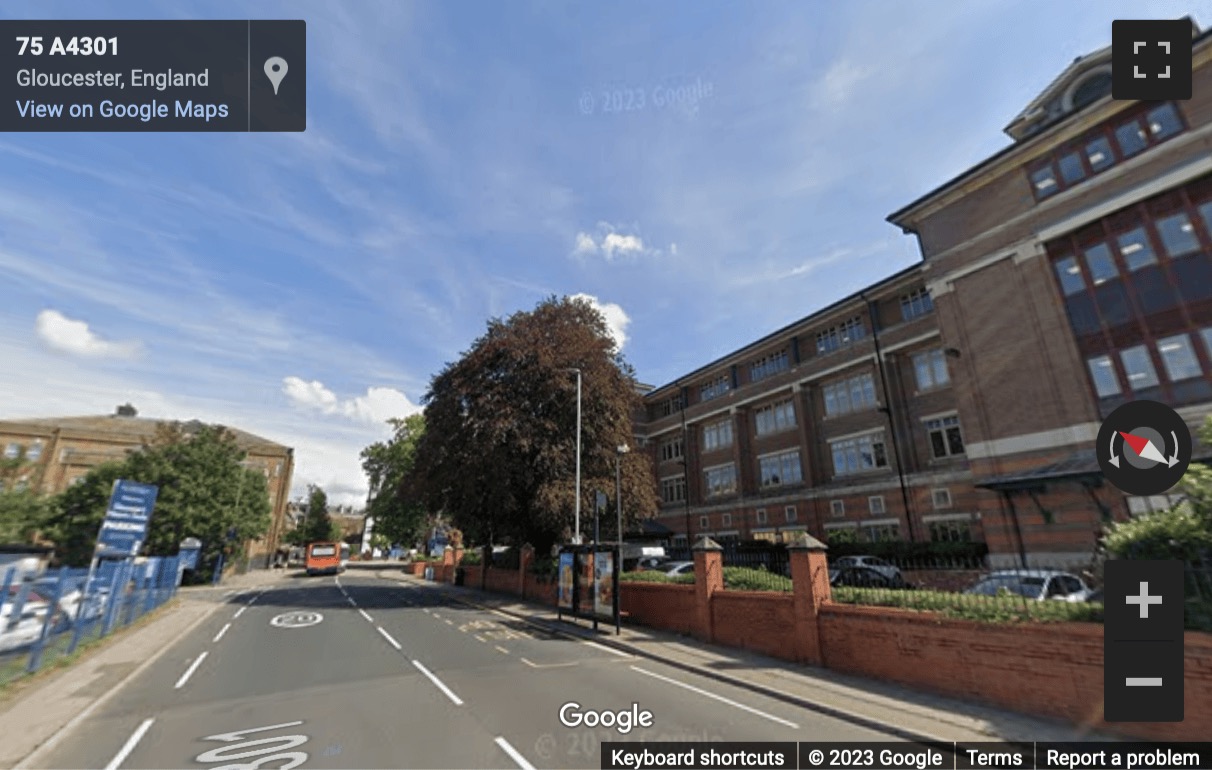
x,y
124,529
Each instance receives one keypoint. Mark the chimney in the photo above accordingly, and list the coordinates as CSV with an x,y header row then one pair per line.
x,y
126,410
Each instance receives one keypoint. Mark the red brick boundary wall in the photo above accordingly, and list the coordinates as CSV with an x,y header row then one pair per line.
x,y
1044,669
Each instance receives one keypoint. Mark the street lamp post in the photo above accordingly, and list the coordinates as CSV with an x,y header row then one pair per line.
x,y
618,492
576,537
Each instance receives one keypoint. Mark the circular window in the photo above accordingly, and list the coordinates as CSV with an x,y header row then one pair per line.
x,y
1092,89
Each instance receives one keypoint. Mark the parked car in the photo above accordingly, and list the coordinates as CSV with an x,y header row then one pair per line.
x,y
18,632
678,568
1035,584
652,563
885,568
864,577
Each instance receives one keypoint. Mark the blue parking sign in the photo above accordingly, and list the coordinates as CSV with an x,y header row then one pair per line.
x,y
125,527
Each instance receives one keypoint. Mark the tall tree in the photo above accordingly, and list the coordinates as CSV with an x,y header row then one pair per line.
x,y
23,508
204,492
395,505
319,527
499,451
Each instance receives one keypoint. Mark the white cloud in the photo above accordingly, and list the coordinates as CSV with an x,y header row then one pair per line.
x,y
612,244
617,319
839,82
376,407
66,335
585,244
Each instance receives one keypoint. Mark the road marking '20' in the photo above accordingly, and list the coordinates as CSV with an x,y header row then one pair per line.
x,y
247,749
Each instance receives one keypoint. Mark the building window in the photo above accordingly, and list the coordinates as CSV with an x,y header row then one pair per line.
x,y
875,504
780,469
1139,506
1100,264
1139,367
850,395
775,418
716,388
726,520
1178,357
1043,181
759,516
1136,250
951,531
790,514
670,406
769,366
672,450
931,370
946,440
837,508
721,481
704,522
1099,154
673,489
12,451
1102,148
941,498
1070,276
916,304
717,436
34,452
1102,372
838,337
856,455
1177,235
882,533
1207,335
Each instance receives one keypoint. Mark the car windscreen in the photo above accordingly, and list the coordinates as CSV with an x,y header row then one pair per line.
x,y
1023,586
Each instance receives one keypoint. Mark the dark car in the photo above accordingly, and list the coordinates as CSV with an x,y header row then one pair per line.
x,y
864,577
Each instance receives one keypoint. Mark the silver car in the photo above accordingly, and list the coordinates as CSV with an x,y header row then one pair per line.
x,y
1035,584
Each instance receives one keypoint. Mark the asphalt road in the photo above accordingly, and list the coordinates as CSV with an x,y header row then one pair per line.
x,y
364,672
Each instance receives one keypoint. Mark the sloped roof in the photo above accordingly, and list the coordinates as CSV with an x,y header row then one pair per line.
x,y
135,428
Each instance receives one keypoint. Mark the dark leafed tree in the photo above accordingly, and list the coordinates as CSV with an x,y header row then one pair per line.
x,y
394,503
204,492
319,527
23,508
498,455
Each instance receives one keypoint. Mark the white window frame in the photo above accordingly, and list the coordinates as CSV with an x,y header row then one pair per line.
x,y
945,422
704,523
759,516
946,494
787,459
877,437
673,480
791,514
715,468
837,508
933,359
726,520
872,505
837,391
715,433
779,418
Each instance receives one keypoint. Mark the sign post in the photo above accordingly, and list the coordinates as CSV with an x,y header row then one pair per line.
x,y
124,528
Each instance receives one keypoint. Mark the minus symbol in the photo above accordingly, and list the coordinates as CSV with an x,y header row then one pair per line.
x,y
1144,681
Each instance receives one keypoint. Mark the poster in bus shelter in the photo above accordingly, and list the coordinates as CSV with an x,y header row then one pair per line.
x,y
603,583
565,580
585,582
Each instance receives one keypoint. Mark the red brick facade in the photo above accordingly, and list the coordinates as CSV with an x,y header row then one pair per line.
x,y
1012,366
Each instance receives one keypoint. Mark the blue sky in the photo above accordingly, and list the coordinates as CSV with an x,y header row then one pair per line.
x,y
459,165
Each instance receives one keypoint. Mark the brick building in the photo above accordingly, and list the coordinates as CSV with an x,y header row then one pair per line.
x,y
63,449
960,398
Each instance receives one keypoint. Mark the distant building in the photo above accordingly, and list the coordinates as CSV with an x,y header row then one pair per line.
x,y
62,450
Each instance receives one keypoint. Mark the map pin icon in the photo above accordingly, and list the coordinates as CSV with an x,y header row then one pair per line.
x,y
275,70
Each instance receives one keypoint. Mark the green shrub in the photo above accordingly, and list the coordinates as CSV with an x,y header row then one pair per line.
x,y
472,558
1179,533
652,576
751,579
990,609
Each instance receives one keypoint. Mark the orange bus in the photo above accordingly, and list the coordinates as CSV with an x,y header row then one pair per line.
x,y
323,559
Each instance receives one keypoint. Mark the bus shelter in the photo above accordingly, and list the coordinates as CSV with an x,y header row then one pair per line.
x,y
588,583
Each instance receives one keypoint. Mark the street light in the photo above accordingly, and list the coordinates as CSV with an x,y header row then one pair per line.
x,y
576,537
618,491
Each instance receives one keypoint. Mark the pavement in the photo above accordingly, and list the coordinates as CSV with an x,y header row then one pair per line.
x,y
376,669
